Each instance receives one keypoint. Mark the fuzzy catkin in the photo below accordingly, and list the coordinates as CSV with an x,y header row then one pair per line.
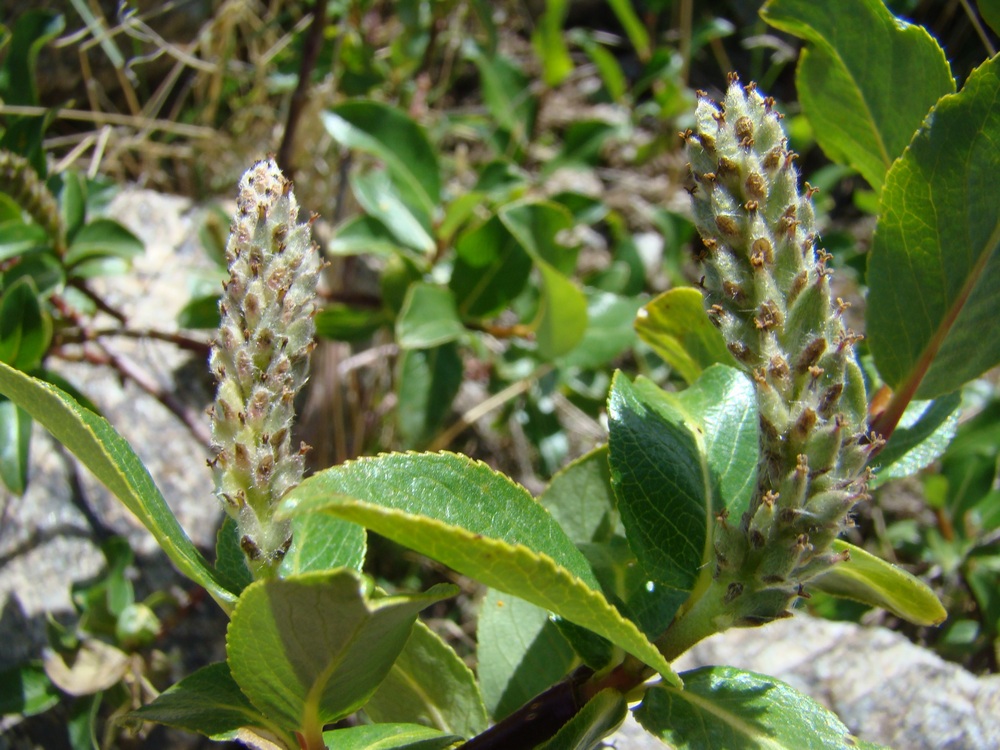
x,y
261,359
21,182
767,289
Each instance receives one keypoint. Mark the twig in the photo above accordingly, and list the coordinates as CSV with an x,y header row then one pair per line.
x,y
483,408
193,419
179,340
103,306
310,53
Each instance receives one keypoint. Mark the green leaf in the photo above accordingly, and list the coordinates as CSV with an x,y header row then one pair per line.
x,y
26,691
401,144
922,435
491,269
102,450
342,322
634,28
520,652
506,92
562,315
428,318
103,238
15,446
581,500
550,44
230,561
209,702
72,203
538,226
725,707
608,67
380,198
676,460
200,313
561,320
32,31
428,382
990,11
388,737
582,144
363,235
17,237
25,329
934,266
609,330
676,326
886,73
602,715
321,542
478,522
870,580
353,639
429,684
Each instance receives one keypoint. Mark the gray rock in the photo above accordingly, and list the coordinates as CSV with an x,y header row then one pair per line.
x,y
886,689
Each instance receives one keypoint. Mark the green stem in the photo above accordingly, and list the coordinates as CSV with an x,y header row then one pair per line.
x,y
709,615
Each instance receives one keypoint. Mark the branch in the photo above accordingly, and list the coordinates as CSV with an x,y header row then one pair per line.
x,y
310,52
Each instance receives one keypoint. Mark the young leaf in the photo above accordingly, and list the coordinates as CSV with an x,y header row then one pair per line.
x,y
388,737
342,322
380,199
561,320
990,11
387,133
32,31
934,262
323,543
209,702
634,28
562,315
230,560
102,450
429,381
506,92
550,44
676,326
429,684
887,74
428,318
25,329
602,715
15,446
478,522
871,580
354,638
491,269
727,707
676,460
361,235
16,238
103,238
609,330
520,652
26,691
922,435
581,500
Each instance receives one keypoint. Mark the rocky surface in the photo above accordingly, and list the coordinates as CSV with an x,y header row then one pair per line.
x,y
884,688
